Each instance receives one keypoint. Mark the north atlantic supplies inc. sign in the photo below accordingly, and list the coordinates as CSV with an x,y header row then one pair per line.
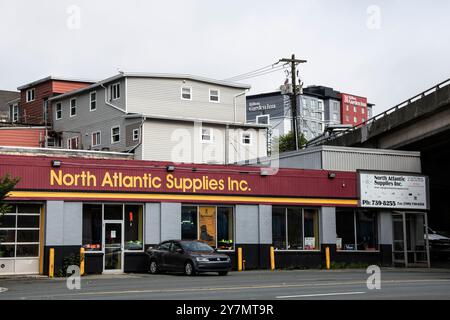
x,y
396,191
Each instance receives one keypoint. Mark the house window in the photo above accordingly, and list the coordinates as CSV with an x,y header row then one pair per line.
x,y
264,119
356,230
213,225
96,139
346,107
135,134
207,135
320,104
115,91
186,93
14,113
246,138
363,110
115,135
58,111
214,95
73,107
73,143
355,119
335,117
355,110
347,118
93,101
30,95
295,228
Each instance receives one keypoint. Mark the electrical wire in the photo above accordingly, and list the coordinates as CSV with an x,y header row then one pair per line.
x,y
250,72
258,74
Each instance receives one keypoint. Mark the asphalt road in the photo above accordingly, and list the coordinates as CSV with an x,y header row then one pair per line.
x,y
250,285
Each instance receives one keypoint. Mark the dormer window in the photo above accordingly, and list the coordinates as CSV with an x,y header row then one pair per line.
x,y
30,95
115,91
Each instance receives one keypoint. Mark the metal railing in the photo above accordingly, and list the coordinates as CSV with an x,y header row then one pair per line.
x,y
405,103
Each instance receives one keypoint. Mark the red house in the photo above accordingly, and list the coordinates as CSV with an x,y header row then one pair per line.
x,y
34,107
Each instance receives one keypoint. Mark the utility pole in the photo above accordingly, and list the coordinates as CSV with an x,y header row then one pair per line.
x,y
295,90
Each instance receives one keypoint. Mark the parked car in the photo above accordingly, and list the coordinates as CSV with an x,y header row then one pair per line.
x,y
439,245
190,257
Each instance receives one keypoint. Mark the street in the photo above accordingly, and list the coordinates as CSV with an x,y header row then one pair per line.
x,y
251,285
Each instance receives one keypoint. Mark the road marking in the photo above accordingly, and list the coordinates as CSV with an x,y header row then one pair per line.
x,y
230,288
321,295
3,290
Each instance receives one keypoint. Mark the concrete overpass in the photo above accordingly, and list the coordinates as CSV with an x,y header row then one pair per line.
x,y
421,123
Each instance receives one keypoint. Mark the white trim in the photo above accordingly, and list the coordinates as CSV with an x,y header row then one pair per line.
x,y
90,101
70,107
250,138
117,84
218,95
264,116
211,134
69,144
138,131
56,110
33,90
190,93
99,140
112,128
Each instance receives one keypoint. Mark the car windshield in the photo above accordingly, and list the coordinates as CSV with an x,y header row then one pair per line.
x,y
196,246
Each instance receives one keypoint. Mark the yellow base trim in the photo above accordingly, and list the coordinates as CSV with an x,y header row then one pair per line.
x,y
176,197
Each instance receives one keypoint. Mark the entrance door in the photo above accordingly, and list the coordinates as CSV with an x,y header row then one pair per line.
x,y
113,238
410,239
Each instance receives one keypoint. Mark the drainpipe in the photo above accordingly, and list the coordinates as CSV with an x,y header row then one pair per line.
x,y
235,98
227,143
106,99
141,133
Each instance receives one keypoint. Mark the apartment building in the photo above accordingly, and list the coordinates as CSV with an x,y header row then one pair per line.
x,y
318,108
161,117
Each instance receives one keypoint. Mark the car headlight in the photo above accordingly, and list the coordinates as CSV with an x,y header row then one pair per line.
x,y
201,259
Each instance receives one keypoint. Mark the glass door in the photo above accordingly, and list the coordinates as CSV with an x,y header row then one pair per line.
x,y
113,239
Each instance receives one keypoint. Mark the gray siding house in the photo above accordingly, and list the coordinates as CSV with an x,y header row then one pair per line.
x,y
161,117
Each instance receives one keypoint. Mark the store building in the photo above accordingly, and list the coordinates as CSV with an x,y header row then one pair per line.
x,y
117,208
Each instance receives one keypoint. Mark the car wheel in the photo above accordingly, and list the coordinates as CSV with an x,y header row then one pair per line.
x,y
154,269
189,269
223,273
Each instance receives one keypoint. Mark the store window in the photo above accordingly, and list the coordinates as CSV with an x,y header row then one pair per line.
x,y
213,225
134,228
295,228
19,232
92,227
356,230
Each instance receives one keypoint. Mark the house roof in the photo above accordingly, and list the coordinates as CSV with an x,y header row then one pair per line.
x,y
155,76
6,97
54,78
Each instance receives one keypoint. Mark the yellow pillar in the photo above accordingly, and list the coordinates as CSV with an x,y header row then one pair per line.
x,y
239,259
272,258
82,262
51,263
327,257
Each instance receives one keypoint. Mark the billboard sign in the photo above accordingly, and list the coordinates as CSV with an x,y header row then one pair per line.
x,y
393,190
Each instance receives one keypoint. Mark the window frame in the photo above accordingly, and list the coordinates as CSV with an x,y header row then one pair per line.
x,y
190,93
117,91
69,145
318,249
32,92
92,101
355,230
99,138
14,113
233,208
112,135
58,105
218,96
73,108
136,134
263,116
250,138
211,135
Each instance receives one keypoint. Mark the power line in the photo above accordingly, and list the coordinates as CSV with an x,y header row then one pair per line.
x,y
257,70
258,74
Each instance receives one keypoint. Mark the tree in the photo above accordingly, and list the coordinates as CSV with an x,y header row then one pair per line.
x,y
286,142
7,185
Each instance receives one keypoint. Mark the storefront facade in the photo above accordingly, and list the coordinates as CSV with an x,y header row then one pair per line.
x,y
117,209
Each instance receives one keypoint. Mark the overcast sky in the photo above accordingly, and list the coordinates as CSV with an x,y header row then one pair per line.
x,y
384,50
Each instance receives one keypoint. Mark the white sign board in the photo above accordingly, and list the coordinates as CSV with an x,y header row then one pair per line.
x,y
396,191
